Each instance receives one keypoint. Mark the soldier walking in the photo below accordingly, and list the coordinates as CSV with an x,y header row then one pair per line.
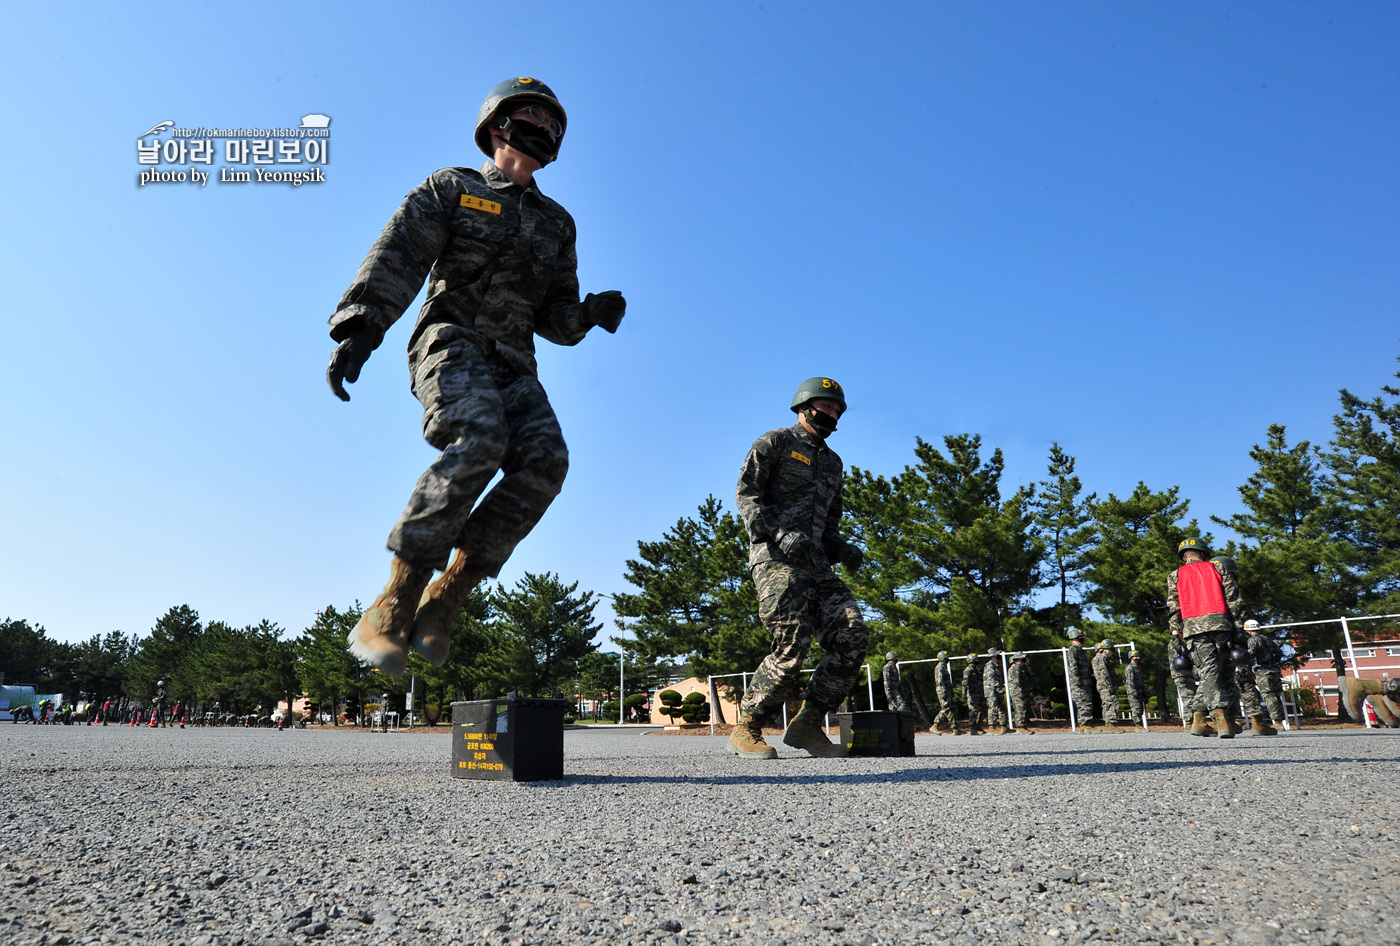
x,y
1018,687
947,709
1105,666
789,497
1081,681
1268,675
501,266
894,690
1135,685
994,691
1185,680
973,695
1204,606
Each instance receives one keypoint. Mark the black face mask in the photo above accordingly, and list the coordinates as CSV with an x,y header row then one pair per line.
x,y
531,140
824,424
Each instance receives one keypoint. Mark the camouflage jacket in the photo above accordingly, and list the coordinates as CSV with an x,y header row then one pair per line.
x,y
1206,623
1263,652
1132,679
971,691
1080,670
1017,679
1105,664
991,678
943,678
791,481
499,259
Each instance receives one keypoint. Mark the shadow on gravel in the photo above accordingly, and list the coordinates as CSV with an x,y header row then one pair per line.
x,y
965,774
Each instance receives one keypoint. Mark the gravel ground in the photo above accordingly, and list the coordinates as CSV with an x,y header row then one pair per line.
x,y
231,836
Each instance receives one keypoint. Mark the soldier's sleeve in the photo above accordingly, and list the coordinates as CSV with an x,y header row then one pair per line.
x,y
1234,601
559,318
834,544
1173,605
753,482
394,270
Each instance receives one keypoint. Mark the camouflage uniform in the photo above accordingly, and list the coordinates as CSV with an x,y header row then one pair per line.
x,y
791,481
1018,685
972,693
947,713
1268,658
1185,682
501,267
1104,664
1249,696
994,692
1081,683
894,693
1137,690
1208,637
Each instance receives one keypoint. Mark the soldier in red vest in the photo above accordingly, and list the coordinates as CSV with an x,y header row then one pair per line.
x,y
1205,608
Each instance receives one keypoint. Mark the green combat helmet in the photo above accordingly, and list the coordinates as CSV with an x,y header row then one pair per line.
x,y
1105,644
1133,655
818,387
1074,634
942,654
510,95
1198,545
1225,563
891,655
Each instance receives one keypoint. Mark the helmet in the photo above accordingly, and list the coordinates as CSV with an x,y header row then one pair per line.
x,y
1133,655
160,683
1252,626
1074,634
1226,563
516,92
818,387
1182,662
971,657
1105,644
942,654
891,655
1240,656
1198,545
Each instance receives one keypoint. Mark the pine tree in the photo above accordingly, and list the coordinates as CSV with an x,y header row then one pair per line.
x,y
547,630
1064,521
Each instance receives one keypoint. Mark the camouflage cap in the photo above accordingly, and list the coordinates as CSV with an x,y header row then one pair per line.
x,y
992,651
1017,656
1198,545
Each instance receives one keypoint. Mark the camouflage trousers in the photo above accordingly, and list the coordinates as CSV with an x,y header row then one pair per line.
x,y
1020,707
1186,690
1137,704
947,715
1210,652
976,709
1108,702
485,419
1270,684
799,606
1249,696
1082,694
995,698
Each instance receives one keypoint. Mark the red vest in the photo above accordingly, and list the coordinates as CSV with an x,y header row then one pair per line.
x,y
1199,589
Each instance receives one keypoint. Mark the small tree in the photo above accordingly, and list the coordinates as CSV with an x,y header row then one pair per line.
x,y
635,705
696,709
670,704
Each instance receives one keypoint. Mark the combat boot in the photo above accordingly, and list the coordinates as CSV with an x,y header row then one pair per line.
x,y
1200,724
1262,726
437,609
1109,726
806,732
1224,726
1235,728
746,741
380,638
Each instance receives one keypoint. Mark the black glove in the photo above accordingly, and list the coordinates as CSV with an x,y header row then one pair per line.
x,y
794,544
853,558
347,360
604,309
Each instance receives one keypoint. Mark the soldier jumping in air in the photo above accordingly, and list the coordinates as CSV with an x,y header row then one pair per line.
x,y
789,496
501,268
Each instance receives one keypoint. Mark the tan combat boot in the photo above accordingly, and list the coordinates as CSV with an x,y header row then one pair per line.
x,y
1223,724
1200,724
1262,726
746,741
437,609
1109,726
1235,728
805,732
380,638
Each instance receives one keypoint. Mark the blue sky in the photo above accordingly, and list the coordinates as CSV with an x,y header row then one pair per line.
x,y
1146,231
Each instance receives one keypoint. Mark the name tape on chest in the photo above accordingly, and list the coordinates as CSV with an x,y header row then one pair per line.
x,y
798,456
480,203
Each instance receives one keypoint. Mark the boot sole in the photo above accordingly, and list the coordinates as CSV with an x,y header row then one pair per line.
x,y
425,646
394,663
